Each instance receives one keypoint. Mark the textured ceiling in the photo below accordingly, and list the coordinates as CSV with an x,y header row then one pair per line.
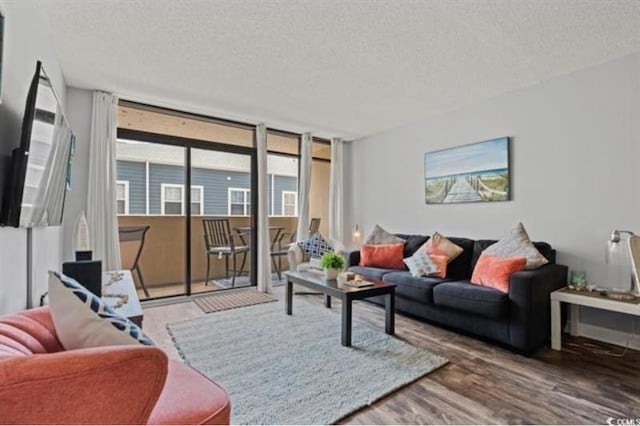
x,y
335,67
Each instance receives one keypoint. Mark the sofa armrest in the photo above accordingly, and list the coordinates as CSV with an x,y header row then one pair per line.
x,y
107,385
529,294
352,258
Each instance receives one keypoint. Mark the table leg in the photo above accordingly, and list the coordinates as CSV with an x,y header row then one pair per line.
x,y
327,301
289,297
556,332
574,317
346,321
390,313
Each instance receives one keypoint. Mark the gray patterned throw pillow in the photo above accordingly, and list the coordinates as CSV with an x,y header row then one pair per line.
x,y
518,244
315,246
379,235
420,264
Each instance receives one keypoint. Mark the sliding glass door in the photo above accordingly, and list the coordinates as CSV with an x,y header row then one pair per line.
x,y
222,231
185,214
191,179
150,200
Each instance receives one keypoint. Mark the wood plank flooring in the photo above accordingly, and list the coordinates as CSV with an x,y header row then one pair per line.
x,y
482,383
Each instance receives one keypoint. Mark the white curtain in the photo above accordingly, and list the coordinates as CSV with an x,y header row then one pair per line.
x,y
264,248
336,191
304,185
101,197
49,203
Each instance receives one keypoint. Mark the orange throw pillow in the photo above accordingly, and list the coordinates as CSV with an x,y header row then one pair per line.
x,y
491,271
441,262
388,256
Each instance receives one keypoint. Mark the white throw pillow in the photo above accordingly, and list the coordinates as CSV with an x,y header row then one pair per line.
x,y
420,264
518,244
83,320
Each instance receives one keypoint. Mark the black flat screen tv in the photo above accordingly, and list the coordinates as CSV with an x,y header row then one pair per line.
x,y
39,174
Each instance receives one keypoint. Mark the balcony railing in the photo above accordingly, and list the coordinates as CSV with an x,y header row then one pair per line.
x,y
163,256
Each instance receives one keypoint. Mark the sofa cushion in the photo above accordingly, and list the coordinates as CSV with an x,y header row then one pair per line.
x,y
441,245
421,264
83,320
413,243
370,271
379,235
518,244
495,272
544,248
388,256
419,289
460,268
315,245
27,333
464,296
190,398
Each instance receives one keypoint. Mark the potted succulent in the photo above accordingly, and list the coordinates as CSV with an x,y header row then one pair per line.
x,y
332,263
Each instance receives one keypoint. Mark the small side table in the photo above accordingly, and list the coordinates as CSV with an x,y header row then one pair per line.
x,y
575,299
121,283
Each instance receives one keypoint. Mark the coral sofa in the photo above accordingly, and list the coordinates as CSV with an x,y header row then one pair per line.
x,y
42,383
518,319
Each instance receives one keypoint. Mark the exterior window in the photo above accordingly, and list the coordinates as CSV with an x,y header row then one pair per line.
x,y
289,203
239,202
122,197
197,200
172,199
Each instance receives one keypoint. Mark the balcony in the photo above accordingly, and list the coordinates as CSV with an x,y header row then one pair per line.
x,y
162,260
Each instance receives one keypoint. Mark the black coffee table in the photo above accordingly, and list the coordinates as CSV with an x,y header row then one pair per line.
x,y
347,294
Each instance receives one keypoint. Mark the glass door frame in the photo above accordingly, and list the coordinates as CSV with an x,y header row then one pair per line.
x,y
188,144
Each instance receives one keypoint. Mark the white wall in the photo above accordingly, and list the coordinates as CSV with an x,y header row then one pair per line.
x,y
25,41
575,145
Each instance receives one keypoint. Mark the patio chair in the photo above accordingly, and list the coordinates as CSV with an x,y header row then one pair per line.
x,y
135,235
219,241
314,226
278,249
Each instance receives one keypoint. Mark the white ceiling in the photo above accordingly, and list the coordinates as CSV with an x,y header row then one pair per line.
x,y
334,67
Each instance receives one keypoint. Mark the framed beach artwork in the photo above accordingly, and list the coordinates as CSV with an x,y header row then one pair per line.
x,y
479,172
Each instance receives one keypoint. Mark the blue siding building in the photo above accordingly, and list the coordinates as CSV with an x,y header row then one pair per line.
x,y
211,188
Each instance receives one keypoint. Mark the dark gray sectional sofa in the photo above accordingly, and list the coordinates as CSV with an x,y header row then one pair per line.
x,y
519,319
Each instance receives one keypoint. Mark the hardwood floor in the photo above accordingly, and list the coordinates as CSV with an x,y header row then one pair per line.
x,y
482,383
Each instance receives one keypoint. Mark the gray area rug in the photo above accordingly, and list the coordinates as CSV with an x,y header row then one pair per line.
x,y
281,369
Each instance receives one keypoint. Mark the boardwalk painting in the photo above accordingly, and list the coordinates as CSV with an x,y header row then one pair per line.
x,y
470,173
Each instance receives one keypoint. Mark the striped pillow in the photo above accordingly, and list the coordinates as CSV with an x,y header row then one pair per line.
x,y
83,320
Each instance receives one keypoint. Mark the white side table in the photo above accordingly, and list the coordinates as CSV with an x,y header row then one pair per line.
x,y
121,283
577,299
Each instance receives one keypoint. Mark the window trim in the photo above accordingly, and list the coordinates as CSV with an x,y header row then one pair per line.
x,y
247,201
201,202
164,186
295,193
126,197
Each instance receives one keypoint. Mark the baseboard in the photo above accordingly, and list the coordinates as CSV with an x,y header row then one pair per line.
x,y
607,335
